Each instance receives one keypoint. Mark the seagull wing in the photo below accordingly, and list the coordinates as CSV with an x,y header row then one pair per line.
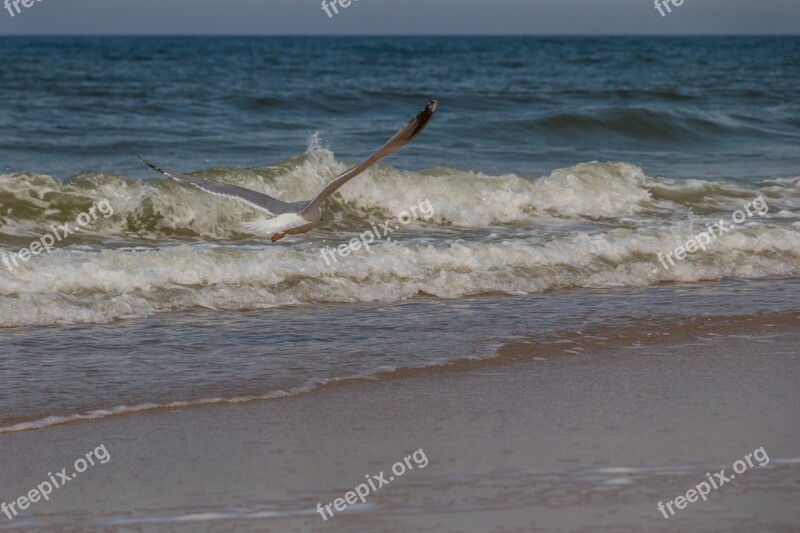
x,y
400,139
264,202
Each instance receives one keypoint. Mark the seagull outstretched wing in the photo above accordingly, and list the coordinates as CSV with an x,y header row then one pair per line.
x,y
261,201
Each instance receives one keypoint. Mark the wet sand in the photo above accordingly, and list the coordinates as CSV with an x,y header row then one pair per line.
x,y
571,438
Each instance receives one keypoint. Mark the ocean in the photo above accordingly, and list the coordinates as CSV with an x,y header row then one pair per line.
x,y
557,170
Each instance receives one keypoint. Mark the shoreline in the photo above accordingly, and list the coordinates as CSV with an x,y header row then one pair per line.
x,y
570,441
587,339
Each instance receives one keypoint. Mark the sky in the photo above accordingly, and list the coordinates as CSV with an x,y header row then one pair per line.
x,y
399,17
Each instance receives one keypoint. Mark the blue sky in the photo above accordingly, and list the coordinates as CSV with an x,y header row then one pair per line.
x,y
306,17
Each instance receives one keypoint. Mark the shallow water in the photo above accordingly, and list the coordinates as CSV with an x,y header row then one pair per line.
x,y
57,374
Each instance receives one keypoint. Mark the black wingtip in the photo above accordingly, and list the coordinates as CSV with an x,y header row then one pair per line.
x,y
428,112
422,119
151,165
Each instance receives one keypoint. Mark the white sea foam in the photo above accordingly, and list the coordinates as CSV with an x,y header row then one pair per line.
x,y
162,209
169,247
69,287
99,414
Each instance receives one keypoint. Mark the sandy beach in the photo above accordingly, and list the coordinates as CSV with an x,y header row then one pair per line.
x,y
586,437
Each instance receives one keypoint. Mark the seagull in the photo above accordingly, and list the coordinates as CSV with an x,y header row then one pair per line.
x,y
300,217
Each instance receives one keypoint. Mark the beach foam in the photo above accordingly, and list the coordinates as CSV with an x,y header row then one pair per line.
x,y
170,247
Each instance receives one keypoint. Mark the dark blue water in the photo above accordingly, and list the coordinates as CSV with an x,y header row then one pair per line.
x,y
679,107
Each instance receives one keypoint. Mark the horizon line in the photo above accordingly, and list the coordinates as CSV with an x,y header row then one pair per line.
x,y
404,35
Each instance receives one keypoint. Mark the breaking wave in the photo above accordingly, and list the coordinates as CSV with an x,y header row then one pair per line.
x,y
169,247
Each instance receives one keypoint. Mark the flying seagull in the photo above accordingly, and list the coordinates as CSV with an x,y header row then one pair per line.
x,y
300,217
